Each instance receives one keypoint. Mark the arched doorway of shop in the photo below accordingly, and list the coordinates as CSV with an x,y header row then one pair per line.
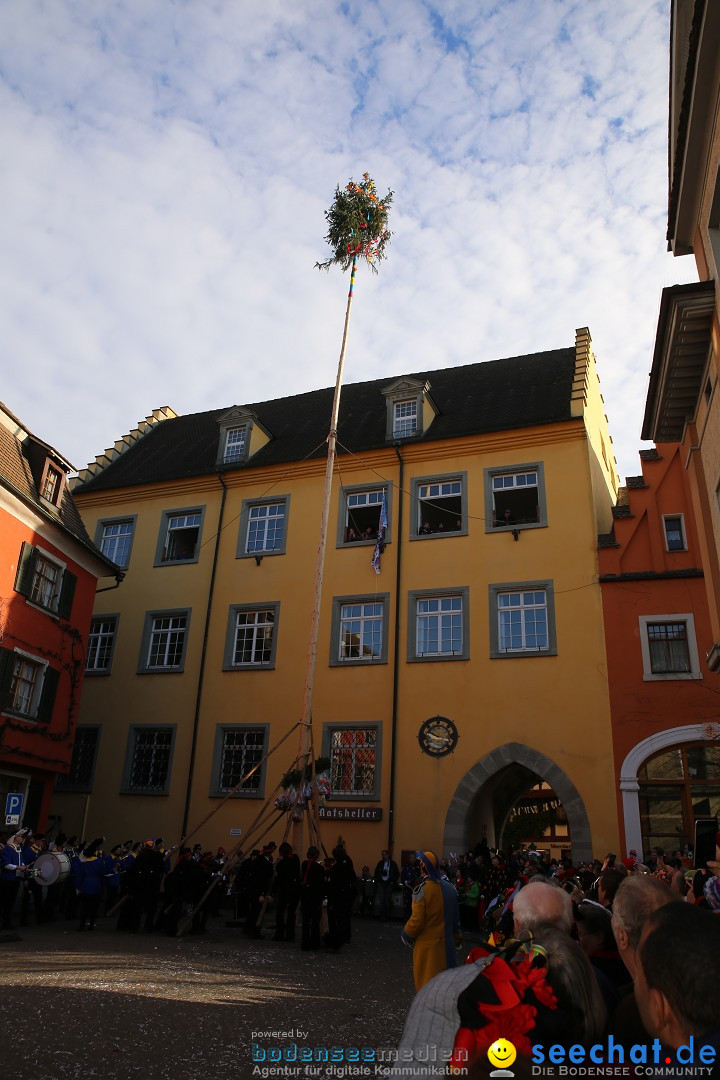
x,y
489,790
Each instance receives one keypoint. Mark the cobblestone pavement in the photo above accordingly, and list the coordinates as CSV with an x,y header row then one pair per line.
x,y
106,1004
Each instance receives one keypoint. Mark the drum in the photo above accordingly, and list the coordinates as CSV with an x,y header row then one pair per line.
x,y
51,867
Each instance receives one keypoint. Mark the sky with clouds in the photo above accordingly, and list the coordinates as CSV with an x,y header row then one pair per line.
x,y
167,163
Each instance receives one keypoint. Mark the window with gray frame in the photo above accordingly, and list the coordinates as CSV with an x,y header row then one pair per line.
x,y
114,538
149,759
164,641
101,643
522,619
438,625
359,629
238,749
82,767
251,639
515,497
353,753
360,509
179,539
439,506
263,527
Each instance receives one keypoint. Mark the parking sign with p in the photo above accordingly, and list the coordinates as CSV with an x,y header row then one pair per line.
x,y
13,808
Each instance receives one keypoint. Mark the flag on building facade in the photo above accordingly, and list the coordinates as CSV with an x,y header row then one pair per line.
x,y
382,529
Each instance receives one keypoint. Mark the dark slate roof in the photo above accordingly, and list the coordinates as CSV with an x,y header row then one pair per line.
x,y
522,391
17,476
607,540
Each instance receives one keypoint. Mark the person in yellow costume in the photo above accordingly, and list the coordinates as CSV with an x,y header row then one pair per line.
x,y
433,929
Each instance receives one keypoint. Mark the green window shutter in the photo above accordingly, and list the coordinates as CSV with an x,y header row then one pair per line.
x,y
47,697
26,569
7,666
67,593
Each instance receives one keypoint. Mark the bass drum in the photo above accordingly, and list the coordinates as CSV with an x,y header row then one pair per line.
x,y
51,867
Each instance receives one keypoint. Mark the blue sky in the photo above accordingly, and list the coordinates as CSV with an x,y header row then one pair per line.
x,y
166,166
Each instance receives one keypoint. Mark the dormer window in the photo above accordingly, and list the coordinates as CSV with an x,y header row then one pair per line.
x,y
235,444
52,484
241,436
404,419
410,409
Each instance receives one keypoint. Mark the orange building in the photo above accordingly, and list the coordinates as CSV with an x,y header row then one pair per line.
x,y
663,700
48,576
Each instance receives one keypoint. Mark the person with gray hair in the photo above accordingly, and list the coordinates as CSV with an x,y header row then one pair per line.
x,y
637,898
540,904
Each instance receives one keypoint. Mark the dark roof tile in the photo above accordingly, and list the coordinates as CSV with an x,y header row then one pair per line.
x,y
521,391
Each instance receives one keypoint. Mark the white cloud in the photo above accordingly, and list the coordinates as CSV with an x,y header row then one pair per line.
x,y
166,168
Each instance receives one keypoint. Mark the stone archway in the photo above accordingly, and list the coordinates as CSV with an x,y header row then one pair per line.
x,y
629,785
455,838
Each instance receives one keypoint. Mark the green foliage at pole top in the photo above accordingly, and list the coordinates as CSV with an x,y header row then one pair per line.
x,y
357,225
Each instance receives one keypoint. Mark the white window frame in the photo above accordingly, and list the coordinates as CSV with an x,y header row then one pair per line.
x,y
691,639
683,537
179,521
109,538
416,598
356,610
495,591
420,484
110,633
522,469
231,454
526,608
39,667
248,516
405,415
351,499
233,627
150,630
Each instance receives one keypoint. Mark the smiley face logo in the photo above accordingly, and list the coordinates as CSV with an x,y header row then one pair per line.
x,y
502,1053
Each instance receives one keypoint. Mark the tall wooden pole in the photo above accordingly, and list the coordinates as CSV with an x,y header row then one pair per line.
x,y
304,751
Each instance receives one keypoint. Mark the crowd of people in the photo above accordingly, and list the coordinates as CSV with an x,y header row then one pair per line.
x,y
627,950
607,956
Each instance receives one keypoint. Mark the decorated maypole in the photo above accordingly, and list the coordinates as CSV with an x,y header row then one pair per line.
x,y
357,230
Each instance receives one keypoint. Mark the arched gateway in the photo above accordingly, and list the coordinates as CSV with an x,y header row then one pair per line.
x,y
518,763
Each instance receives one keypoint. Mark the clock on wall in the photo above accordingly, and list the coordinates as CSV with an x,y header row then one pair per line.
x,y
438,736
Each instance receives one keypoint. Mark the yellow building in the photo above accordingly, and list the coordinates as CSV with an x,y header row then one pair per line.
x,y
466,671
